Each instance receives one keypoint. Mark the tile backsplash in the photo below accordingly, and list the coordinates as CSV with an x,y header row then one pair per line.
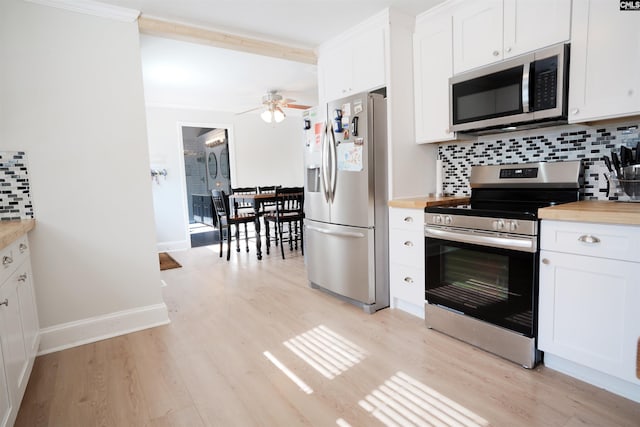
x,y
15,197
556,144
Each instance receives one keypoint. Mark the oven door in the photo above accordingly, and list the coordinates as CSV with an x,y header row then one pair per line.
x,y
493,284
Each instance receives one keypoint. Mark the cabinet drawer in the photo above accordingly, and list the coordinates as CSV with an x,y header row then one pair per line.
x,y
620,242
406,219
407,283
12,256
407,248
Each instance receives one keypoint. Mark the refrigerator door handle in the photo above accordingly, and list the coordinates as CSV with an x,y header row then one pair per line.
x,y
334,165
325,160
335,233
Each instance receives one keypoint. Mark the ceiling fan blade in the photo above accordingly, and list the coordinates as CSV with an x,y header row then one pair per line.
x,y
298,106
248,111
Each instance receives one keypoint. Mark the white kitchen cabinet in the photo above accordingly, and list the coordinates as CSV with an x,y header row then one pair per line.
x,y
19,330
406,260
489,31
589,322
433,65
605,62
5,403
355,61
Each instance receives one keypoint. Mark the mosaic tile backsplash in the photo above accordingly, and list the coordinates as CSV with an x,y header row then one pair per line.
x,y
572,142
15,198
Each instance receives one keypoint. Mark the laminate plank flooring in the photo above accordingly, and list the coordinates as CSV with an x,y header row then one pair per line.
x,y
237,327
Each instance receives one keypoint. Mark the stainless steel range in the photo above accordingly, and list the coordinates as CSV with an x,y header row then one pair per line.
x,y
482,258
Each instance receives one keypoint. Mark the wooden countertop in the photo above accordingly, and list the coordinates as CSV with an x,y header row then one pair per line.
x,y
603,211
12,230
422,202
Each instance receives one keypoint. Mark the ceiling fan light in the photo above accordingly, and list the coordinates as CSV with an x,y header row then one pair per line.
x,y
267,116
278,115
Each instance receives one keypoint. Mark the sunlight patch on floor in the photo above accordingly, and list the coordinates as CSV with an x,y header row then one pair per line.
x,y
326,351
403,400
293,377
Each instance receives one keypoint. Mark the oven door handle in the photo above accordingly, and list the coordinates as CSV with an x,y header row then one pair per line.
x,y
514,243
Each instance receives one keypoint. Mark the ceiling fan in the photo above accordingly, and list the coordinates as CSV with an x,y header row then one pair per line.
x,y
274,105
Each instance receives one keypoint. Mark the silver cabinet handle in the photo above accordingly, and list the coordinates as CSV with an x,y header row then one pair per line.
x,y
508,49
545,261
5,302
496,53
588,238
575,111
408,243
408,219
22,277
6,260
22,247
408,279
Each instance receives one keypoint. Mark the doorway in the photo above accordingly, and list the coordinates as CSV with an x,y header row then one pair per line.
x,y
206,161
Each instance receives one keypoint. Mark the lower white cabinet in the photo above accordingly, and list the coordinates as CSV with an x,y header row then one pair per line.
x,y
589,318
406,260
19,328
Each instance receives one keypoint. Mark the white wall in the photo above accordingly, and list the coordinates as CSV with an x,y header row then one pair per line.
x,y
260,154
72,98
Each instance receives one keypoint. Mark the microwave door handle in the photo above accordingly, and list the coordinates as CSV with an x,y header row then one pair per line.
x,y
525,87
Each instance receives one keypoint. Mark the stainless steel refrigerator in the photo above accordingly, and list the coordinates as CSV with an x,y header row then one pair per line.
x,y
346,215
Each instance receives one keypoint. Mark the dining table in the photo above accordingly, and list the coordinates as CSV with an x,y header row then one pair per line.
x,y
256,201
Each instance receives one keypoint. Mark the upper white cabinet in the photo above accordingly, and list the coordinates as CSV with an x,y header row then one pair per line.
x,y
605,61
355,61
488,31
433,65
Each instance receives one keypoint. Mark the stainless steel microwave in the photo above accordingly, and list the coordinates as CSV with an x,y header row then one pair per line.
x,y
524,92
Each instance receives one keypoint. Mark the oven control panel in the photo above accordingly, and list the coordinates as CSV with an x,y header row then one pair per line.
x,y
519,173
470,222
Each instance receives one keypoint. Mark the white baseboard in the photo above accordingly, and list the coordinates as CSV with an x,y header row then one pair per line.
x,y
72,334
599,379
178,245
416,310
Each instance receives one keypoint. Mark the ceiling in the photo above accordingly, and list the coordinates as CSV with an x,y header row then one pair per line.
x,y
192,75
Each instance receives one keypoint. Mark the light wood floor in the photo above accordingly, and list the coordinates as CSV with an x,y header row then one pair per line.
x,y
233,322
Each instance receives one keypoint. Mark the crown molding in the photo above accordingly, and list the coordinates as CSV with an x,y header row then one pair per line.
x,y
90,7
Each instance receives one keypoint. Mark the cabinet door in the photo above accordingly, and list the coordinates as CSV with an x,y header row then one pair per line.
x,y
588,312
28,311
533,25
477,34
5,402
433,65
11,336
337,68
605,61
368,59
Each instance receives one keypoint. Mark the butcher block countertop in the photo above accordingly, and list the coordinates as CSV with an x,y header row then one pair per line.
x,y
12,230
422,202
603,211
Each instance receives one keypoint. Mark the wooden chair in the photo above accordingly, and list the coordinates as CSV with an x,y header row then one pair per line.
x,y
241,208
268,207
290,213
226,220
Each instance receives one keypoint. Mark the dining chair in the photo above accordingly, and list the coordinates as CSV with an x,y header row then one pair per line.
x,y
227,219
268,207
240,207
290,213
